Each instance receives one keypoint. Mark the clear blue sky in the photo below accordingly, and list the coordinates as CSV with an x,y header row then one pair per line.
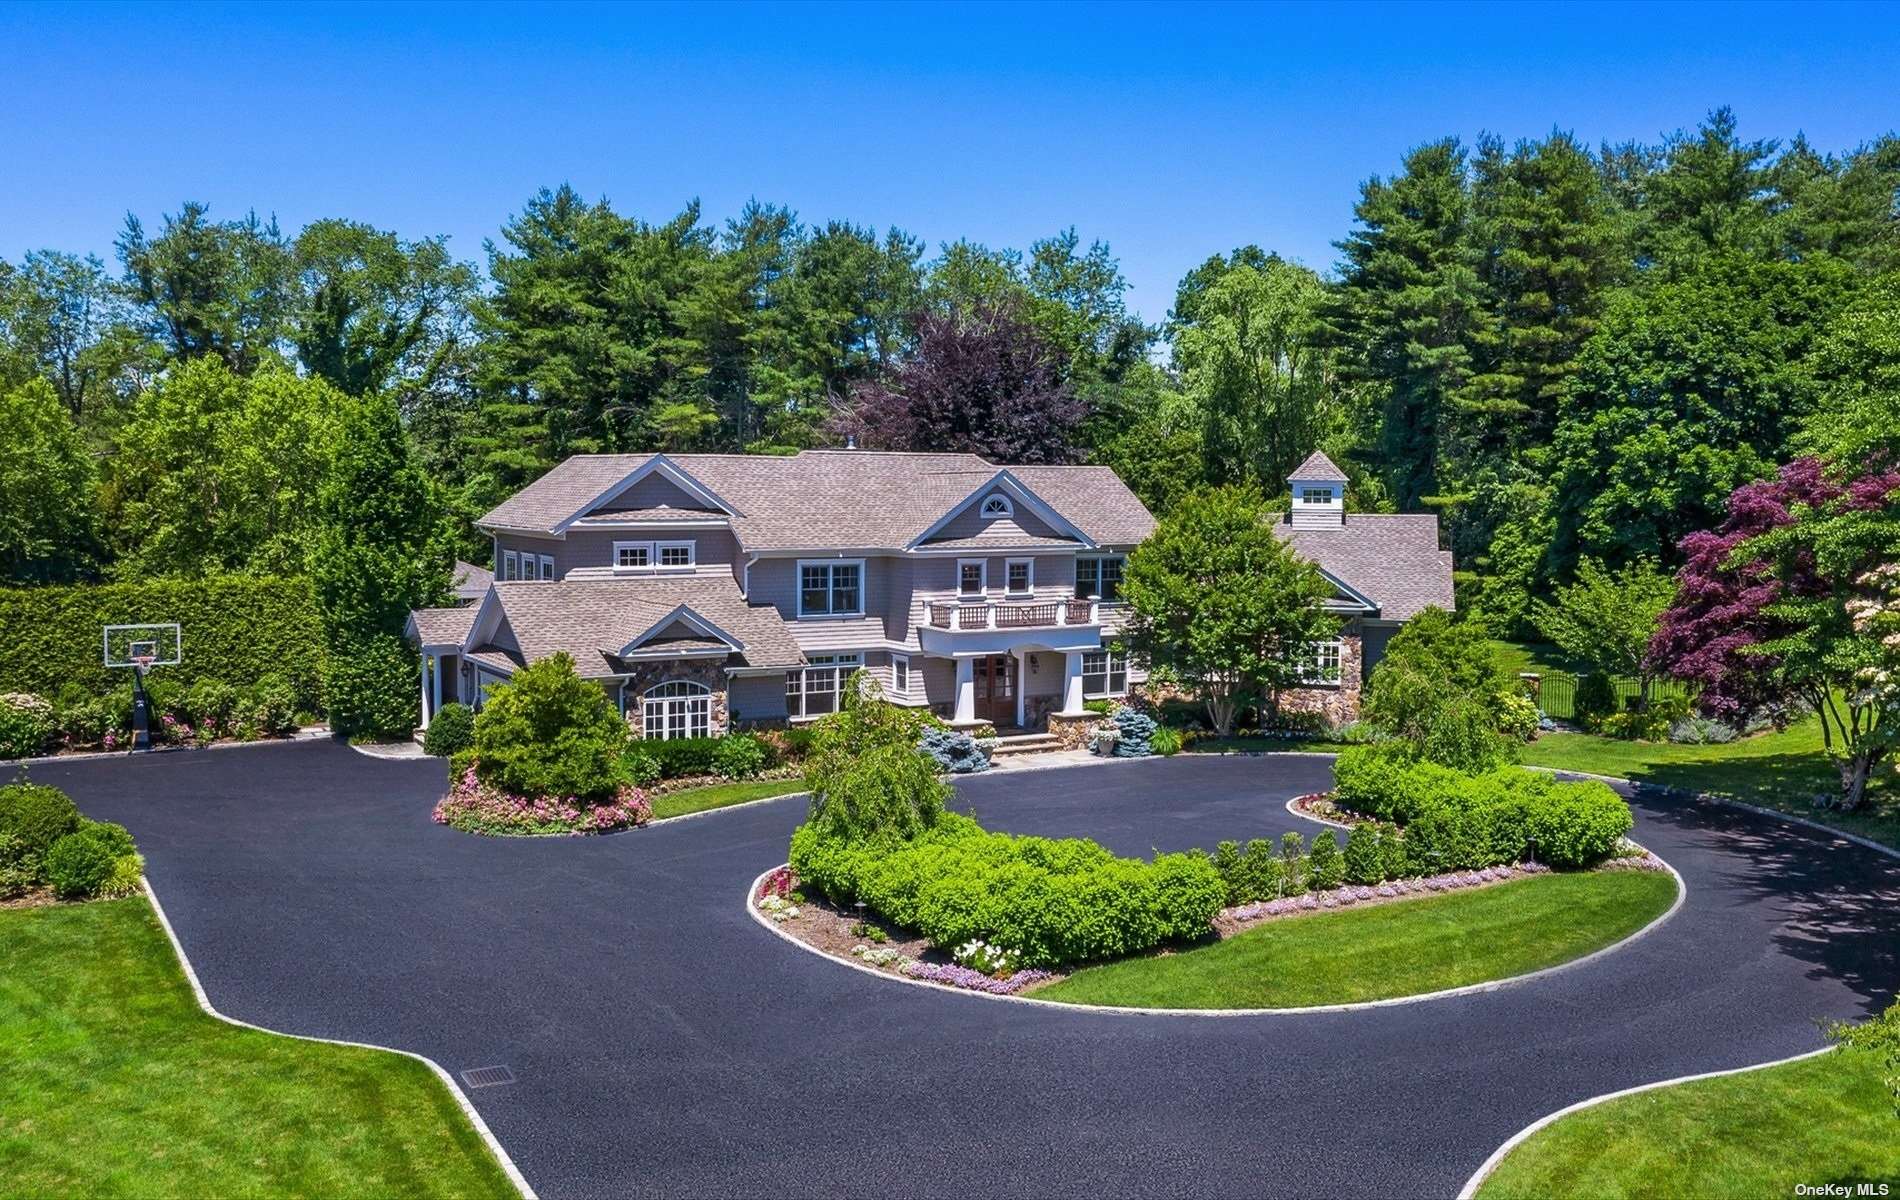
x,y
1171,132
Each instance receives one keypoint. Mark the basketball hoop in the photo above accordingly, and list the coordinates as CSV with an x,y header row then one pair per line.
x,y
142,647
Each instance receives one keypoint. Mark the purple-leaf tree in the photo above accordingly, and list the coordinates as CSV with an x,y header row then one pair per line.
x,y
1772,609
981,380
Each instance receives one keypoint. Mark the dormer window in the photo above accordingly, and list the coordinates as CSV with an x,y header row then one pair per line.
x,y
997,506
1313,495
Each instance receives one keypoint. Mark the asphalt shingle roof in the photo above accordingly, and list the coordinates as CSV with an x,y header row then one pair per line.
x,y
1319,469
1392,559
590,619
836,499
442,626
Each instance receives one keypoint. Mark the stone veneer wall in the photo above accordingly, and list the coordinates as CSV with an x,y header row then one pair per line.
x,y
709,671
1338,704
1073,731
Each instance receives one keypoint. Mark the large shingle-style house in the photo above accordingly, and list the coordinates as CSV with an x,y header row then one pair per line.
x,y
708,592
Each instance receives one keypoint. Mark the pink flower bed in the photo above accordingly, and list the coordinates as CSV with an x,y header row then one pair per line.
x,y
477,807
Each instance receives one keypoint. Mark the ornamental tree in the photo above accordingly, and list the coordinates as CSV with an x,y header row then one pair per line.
x,y
1219,601
1441,690
1607,618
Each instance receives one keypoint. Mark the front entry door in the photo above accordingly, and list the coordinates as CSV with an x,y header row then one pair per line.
x,y
996,689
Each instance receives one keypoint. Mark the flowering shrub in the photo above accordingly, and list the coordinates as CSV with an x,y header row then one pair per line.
x,y
883,956
979,955
779,883
27,725
477,807
976,981
778,908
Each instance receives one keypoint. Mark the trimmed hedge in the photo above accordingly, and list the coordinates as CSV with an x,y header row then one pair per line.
x,y
1049,900
37,815
679,757
236,629
1456,821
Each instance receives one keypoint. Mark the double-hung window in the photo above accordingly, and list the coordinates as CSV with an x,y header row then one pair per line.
x,y
814,691
547,566
830,589
1104,673
1019,576
1323,666
1099,578
900,675
510,566
676,709
972,576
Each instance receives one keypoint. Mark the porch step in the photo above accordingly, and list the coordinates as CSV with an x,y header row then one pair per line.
x,y
1026,743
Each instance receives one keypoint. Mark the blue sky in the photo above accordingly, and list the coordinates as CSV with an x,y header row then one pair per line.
x,y
1170,132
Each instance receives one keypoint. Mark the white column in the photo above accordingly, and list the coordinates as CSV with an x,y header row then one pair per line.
x,y
1072,684
966,689
425,689
1022,684
435,682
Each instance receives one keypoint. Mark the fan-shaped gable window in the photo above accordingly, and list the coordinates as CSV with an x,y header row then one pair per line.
x,y
997,506
676,709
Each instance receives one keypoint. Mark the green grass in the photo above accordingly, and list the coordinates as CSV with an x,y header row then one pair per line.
x,y
1399,949
1782,771
719,795
113,1082
1823,1120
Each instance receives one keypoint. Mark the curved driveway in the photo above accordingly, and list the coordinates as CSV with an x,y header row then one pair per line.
x,y
665,1044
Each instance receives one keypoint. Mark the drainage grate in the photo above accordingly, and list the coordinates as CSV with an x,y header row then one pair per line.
x,y
481,1077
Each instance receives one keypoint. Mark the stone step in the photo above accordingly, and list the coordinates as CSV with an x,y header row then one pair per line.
x,y
1026,743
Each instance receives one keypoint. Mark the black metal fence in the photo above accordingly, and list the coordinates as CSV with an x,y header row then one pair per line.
x,y
1556,691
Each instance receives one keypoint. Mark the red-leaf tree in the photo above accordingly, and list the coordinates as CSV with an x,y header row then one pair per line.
x,y
981,380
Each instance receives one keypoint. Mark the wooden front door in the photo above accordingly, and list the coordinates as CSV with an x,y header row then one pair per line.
x,y
996,689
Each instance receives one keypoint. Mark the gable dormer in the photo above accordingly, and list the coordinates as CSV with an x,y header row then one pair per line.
x,y
1003,511
1319,493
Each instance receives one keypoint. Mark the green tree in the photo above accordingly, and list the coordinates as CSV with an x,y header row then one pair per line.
x,y
1708,199
61,319
1218,600
1407,299
1440,688
1607,618
48,523
549,733
381,551
207,287
376,312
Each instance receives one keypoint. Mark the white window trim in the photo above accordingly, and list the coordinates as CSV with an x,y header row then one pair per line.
x,y
695,702
1107,673
510,566
1312,674
647,546
901,689
845,664
1325,496
660,549
983,569
1096,594
1008,509
798,588
547,568
1030,588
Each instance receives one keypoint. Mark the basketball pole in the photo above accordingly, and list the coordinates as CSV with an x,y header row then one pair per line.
x,y
141,711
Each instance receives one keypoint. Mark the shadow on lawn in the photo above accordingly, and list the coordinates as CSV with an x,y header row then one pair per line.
x,y
1784,782
1838,904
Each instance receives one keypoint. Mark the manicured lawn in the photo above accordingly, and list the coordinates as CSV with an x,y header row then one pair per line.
x,y
1824,1120
114,1083
1399,949
1782,771
719,795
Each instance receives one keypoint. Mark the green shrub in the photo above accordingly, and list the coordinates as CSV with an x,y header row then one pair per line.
x,y
1517,716
738,756
1432,667
1100,708
27,725
890,791
1293,863
270,706
1323,862
1050,901
1579,823
1262,871
209,703
37,815
1231,867
1464,736
680,758
638,767
236,628
86,862
371,688
450,731
549,733
1397,864
18,869
1595,699
1364,860
1165,741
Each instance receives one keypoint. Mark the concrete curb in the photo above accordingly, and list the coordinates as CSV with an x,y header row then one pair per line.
x,y
1310,817
461,1098
1521,1136
1682,894
314,733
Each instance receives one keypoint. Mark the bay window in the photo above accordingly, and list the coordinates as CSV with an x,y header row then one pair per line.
x,y
814,691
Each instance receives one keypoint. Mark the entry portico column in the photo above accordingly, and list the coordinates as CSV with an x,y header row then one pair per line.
x,y
1072,684
426,710
1022,685
966,689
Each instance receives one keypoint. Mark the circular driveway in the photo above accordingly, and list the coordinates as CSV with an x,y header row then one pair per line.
x,y
663,1043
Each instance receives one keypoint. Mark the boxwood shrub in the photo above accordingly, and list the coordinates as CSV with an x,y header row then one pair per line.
x,y
450,731
678,757
37,815
1458,821
1052,901
91,861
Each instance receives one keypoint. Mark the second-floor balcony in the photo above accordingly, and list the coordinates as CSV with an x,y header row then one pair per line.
x,y
967,617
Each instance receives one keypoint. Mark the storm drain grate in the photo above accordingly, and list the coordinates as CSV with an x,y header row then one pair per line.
x,y
480,1077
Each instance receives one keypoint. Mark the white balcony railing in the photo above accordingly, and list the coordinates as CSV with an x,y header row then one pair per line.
x,y
964,616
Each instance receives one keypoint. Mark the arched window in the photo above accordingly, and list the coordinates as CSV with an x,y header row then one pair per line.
x,y
676,709
998,506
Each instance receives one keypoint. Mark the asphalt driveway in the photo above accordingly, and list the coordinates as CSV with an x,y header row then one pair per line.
x,y
664,1044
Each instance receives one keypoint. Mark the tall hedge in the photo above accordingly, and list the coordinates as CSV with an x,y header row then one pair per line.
x,y
236,628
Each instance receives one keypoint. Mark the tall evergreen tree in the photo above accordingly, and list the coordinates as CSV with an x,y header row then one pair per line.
x,y
223,288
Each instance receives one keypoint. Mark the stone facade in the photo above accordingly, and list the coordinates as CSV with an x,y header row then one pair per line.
x,y
1073,731
1338,704
708,671
1036,709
